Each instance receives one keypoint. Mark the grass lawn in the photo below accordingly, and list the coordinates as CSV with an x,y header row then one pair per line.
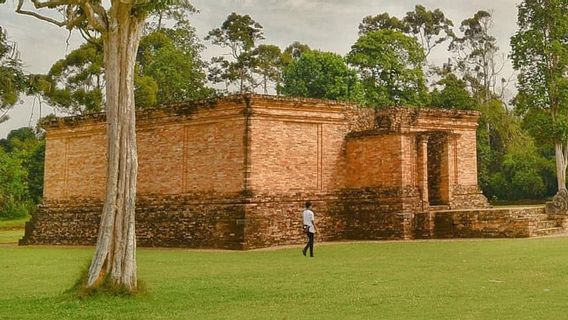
x,y
11,236
13,224
477,279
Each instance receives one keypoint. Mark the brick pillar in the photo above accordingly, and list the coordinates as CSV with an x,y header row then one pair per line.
x,y
422,170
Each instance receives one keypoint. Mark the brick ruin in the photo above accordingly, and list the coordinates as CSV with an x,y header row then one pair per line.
x,y
234,173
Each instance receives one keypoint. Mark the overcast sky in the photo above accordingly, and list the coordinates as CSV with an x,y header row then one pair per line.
x,y
329,25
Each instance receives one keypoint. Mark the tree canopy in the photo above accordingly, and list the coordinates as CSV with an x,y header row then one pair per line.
x,y
540,54
240,35
323,75
477,56
12,78
21,173
430,28
453,95
390,64
168,69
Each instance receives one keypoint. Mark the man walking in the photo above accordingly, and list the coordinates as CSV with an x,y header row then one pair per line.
x,y
309,228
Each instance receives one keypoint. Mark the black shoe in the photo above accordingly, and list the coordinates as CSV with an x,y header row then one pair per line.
x,y
304,252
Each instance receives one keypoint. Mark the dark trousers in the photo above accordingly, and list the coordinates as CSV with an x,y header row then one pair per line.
x,y
310,243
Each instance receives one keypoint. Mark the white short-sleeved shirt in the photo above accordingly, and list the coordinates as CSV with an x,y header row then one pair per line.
x,y
308,218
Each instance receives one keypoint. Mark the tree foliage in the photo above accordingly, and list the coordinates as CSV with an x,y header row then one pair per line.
x,y
390,65
240,35
477,57
540,54
323,75
383,21
12,79
430,28
168,69
267,64
510,165
293,52
453,95
21,173
76,83
172,10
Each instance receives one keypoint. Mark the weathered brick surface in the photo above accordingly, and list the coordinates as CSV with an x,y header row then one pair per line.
x,y
277,220
370,213
173,221
487,223
234,172
374,161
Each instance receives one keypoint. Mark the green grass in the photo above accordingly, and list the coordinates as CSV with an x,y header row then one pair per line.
x,y
481,279
13,224
11,236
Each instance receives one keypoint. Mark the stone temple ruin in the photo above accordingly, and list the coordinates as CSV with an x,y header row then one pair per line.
x,y
235,172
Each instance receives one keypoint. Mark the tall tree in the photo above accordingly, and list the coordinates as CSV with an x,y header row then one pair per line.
x,y
382,21
239,34
390,64
178,10
478,57
12,79
540,55
429,27
267,64
322,75
120,24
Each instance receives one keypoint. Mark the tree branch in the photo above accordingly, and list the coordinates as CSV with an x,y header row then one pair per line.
x,y
90,38
51,3
95,16
39,16
95,21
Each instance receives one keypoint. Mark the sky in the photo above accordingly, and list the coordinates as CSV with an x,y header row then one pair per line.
x,y
329,25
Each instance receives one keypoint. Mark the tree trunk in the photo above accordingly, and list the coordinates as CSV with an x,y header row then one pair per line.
x,y
115,255
561,164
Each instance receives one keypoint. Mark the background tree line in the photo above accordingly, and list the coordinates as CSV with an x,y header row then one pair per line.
x,y
388,65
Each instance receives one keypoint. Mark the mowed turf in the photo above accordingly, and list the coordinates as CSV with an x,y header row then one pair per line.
x,y
471,279
12,230
11,236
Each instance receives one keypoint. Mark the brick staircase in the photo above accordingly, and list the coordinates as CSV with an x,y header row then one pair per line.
x,y
546,226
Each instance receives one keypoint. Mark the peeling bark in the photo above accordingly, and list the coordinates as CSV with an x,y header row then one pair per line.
x,y
561,164
115,255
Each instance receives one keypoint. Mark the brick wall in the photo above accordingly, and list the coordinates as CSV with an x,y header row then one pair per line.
x,y
200,151
482,223
374,161
235,172
171,221
75,162
296,148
